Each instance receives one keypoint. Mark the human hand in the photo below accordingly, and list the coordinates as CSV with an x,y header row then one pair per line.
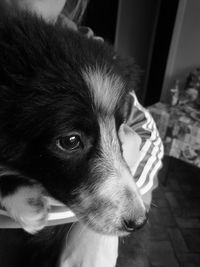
x,y
48,9
130,142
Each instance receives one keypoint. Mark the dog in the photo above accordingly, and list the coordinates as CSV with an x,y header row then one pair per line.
x,y
62,103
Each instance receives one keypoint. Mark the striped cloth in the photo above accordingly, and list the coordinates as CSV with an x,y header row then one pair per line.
x,y
151,151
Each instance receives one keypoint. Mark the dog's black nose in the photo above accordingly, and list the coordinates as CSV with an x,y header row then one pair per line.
x,y
132,225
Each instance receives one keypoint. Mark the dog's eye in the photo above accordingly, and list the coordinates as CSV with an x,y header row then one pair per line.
x,y
69,143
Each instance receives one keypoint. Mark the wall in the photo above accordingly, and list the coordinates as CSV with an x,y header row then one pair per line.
x,y
184,53
135,33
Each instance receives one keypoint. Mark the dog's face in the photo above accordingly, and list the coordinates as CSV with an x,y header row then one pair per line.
x,y
61,100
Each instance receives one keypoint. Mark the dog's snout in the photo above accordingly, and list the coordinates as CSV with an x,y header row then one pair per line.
x,y
132,225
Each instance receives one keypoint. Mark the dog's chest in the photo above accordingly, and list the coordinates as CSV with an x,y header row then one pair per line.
x,y
85,248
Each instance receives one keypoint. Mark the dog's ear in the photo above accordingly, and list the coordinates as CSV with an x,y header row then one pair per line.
x,y
131,72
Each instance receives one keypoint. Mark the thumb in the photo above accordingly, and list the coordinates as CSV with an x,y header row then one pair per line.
x,y
130,142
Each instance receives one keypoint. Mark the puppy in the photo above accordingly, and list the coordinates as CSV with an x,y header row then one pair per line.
x,y
61,106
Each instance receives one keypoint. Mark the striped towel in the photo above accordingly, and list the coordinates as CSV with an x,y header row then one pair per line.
x,y
151,151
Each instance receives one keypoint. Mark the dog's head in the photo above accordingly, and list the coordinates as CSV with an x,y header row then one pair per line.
x,y
61,106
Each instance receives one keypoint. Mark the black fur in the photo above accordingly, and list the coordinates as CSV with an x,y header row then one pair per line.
x,y
41,85
43,96
41,88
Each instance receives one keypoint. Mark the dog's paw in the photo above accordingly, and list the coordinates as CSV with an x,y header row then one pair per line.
x,y
28,207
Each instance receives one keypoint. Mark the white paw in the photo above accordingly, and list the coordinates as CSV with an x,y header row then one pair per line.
x,y
28,207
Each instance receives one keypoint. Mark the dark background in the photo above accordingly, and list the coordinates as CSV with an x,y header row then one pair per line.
x,y
140,29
